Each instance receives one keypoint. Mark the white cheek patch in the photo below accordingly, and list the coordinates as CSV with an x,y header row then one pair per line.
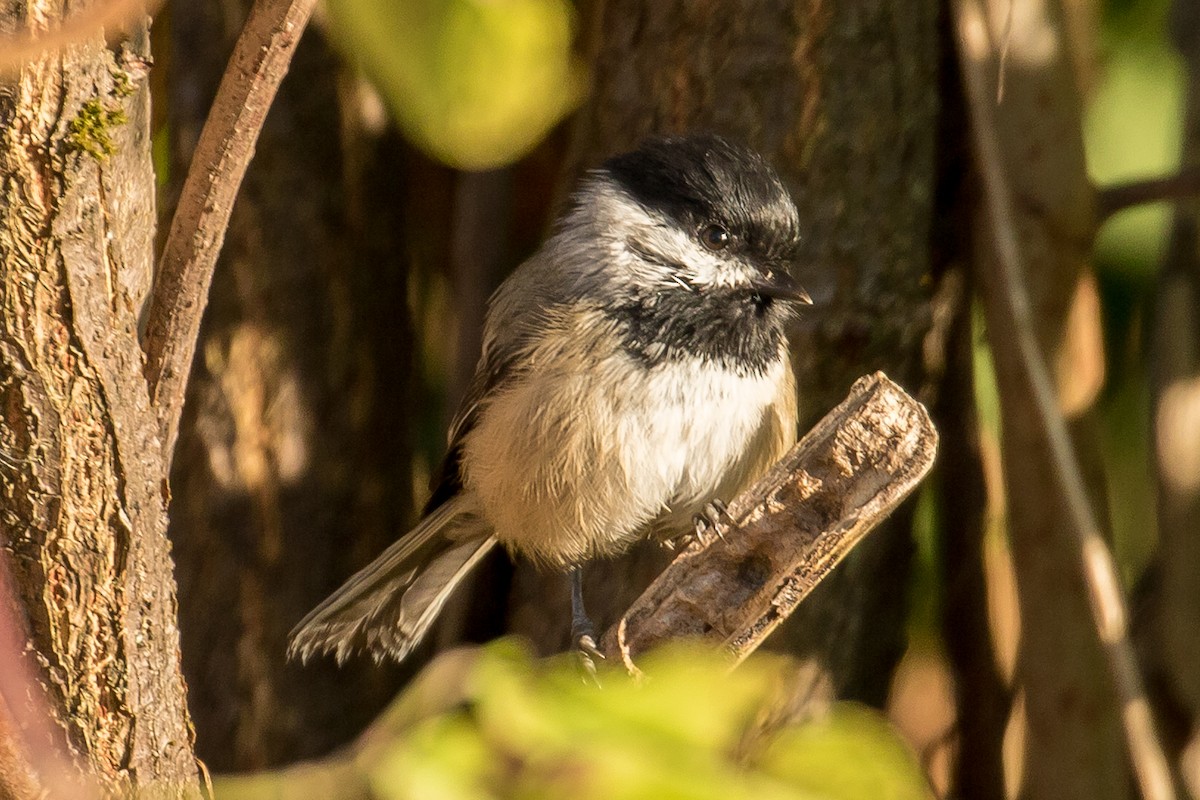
x,y
684,261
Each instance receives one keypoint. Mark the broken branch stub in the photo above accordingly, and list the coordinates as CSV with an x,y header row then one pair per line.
x,y
792,528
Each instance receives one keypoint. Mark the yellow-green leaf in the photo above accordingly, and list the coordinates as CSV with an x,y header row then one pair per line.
x,y
476,83
851,754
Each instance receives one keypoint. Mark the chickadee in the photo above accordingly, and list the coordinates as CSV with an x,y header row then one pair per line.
x,y
634,373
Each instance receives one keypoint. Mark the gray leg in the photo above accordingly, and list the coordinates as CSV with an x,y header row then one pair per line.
x,y
583,633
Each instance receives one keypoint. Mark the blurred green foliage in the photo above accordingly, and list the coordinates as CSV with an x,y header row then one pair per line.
x,y
1133,126
475,83
496,723
536,729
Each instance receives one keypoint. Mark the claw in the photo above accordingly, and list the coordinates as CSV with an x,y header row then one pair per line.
x,y
723,511
710,520
587,646
588,654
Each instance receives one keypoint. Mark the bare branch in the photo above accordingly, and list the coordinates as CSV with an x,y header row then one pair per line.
x,y
260,60
1100,576
793,527
1120,196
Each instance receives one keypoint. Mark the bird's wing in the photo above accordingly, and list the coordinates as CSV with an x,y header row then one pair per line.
x,y
518,315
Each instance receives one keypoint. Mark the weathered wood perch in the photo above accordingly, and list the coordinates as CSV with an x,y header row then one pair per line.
x,y
791,528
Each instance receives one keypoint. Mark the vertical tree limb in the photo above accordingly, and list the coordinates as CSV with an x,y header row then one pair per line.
x,y
185,271
1169,630
1030,388
293,464
982,700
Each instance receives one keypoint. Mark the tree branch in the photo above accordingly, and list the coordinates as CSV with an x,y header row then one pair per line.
x,y
792,528
1103,584
1120,196
260,60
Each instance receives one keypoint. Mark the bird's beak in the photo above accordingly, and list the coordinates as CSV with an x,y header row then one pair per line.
x,y
780,285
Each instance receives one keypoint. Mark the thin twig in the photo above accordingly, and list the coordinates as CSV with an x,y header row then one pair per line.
x,y
1100,575
23,48
260,60
1120,196
792,528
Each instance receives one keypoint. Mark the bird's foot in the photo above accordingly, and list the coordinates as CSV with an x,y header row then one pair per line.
x,y
707,525
583,635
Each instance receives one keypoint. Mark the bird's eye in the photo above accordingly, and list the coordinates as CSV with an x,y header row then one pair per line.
x,y
714,237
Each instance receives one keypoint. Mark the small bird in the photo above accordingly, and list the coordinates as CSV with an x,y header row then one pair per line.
x,y
634,373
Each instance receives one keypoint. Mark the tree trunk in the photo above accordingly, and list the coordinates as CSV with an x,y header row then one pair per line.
x,y
1073,740
983,700
83,497
293,465
1169,627
842,98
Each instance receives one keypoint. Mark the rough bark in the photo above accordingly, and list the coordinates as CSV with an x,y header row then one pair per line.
x,y
293,465
1073,738
83,500
842,98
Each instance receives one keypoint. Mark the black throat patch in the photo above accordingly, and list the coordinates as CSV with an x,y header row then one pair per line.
x,y
729,327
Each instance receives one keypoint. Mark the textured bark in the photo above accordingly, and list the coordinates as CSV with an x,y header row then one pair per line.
x,y
842,98
83,500
293,466
1073,744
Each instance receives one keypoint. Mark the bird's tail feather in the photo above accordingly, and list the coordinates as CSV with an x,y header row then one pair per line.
x,y
388,606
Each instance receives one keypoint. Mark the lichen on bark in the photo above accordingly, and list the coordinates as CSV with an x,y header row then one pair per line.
x,y
91,130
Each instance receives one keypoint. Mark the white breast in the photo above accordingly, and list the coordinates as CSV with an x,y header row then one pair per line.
x,y
705,419
572,463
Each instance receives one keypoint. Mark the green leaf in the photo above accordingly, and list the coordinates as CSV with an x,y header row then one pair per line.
x,y
535,729
476,83
442,757
1132,130
852,754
